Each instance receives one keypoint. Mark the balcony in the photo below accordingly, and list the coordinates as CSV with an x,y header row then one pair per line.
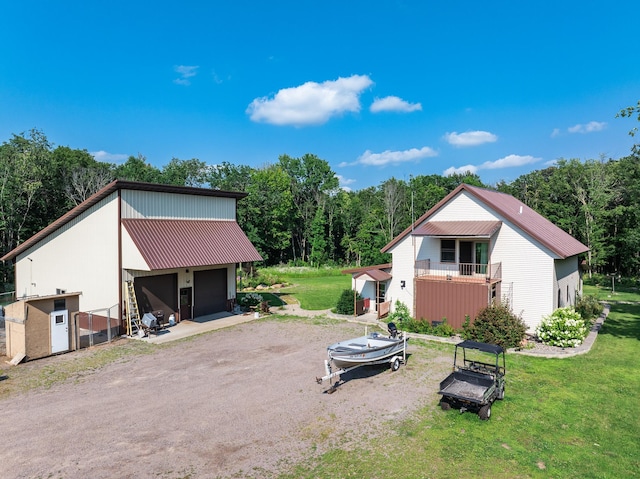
x,y
458,272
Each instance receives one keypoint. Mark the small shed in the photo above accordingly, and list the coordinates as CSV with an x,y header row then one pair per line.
x,y
40,326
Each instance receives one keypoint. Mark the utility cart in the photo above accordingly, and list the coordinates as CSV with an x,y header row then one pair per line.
x,y
477,379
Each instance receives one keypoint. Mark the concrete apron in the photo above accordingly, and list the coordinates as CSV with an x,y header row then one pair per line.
x,y
191,327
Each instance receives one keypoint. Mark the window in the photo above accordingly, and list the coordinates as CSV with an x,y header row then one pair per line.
x,y
59,304
447,251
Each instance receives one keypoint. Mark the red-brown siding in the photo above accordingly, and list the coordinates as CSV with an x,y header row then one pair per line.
x,y
450,299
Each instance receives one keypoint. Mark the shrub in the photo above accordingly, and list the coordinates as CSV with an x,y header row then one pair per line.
x,y
423,326
260,277
564,327
249,299
399,314
588,308
443,329
497,324
345,302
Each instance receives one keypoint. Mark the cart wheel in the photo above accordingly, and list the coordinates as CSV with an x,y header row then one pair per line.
x,y
444,405
501,393
395,365
485,412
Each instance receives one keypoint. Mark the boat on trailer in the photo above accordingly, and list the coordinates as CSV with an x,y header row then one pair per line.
x,y
367,350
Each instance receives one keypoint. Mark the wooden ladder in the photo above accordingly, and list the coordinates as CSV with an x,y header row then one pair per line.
x,y
133,315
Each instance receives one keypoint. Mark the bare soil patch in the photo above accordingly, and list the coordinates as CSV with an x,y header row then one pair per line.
x,y
238,402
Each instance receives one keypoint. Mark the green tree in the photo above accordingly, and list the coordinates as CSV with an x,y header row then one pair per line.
x,y
268,208
311,181
136,168
23,161
318,254
192,172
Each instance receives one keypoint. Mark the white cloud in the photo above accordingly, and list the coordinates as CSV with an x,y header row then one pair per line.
x,y
344,182
106,156
508,161
395,157
185,72
393,103
470,138
590,127
555,133
460,170
311,103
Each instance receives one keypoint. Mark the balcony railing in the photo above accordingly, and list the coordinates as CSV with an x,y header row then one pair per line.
x,y
466,272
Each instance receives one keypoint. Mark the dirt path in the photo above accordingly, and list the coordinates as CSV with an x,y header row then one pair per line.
x,y
241,401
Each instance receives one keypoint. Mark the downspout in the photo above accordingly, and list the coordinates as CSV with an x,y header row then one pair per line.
x,y
120,303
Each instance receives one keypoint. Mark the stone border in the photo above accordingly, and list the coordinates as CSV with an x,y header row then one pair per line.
x,y
558,352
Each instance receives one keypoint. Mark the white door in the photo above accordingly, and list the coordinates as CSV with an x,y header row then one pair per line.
x,y
59,331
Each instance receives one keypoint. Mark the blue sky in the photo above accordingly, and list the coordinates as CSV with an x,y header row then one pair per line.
x,y
377,89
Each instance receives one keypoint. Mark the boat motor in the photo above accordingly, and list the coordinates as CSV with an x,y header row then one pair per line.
x,y
393,331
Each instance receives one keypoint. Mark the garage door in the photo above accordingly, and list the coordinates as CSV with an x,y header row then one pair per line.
x,y
209,291
157,293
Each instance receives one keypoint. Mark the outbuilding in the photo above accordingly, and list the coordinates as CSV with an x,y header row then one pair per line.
x,y
176,247
41,326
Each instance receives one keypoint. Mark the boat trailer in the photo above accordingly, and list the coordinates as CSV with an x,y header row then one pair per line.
x,y
394,361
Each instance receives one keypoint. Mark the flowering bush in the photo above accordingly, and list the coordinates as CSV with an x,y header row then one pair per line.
x,y
564,327
250,299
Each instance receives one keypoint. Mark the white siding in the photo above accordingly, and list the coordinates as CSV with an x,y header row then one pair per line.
x,y
403,270
79,257
529,268
156,205
567,282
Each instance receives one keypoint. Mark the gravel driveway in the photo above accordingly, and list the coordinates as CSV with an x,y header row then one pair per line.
x,y
239,402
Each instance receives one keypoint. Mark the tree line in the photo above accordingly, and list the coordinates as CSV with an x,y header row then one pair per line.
x,y
296,213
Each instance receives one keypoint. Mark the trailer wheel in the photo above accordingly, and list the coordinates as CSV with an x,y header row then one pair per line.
x,y
444,405
395,365
485,412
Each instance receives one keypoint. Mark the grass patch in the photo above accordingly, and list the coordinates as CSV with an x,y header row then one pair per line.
x,y
316,290
606,292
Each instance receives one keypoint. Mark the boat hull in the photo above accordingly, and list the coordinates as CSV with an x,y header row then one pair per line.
x,y
371,349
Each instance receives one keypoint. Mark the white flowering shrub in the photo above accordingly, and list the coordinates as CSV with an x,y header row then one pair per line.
x,y
564,327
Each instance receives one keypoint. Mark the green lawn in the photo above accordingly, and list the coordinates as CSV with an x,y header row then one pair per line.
x,y
315,289
606,292
563,418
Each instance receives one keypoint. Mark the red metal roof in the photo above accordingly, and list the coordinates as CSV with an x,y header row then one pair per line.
x,y
366,268
475,229
514,211
166,244
374,274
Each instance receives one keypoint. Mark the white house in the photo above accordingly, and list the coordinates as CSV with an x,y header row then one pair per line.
x,y
477,245
177,246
